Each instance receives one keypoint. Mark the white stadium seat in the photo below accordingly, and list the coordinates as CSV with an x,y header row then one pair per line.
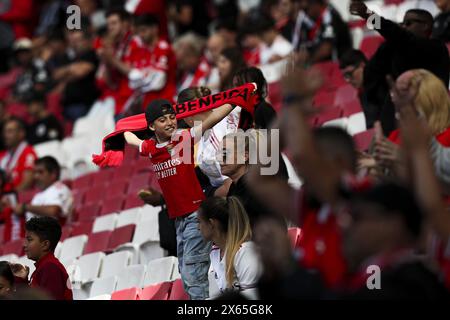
x,y
149,212
89,266
114,263
132,276
145,245
130,216
341,123
105,223
356,123
73,247
160,270
103,286
101,297
10,258
176,273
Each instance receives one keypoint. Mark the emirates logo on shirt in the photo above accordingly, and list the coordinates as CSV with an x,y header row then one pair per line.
x,y
167,168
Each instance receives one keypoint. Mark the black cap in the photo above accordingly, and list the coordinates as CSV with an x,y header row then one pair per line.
x,y
394,199
158,108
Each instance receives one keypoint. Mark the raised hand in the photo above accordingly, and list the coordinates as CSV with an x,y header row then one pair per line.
x,y
359,8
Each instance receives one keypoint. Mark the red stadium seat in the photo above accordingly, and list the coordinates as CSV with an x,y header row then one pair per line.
x,y
120,236
364,139
345,94
102,177
95,195
13,247
123,172
82,182
140,181
158,291
126,294
98,242
66,231
324,99
133,201
328,115
351,107
370,45
2,233
78,198
177,292
89,212
112,204
83,227
118,187
294,236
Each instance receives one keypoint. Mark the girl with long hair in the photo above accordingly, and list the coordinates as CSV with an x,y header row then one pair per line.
x,y
234,260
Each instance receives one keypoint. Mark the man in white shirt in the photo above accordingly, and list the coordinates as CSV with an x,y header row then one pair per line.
x,y
275,47
55,198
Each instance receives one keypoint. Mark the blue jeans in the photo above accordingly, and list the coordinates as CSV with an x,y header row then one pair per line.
x,y
193,257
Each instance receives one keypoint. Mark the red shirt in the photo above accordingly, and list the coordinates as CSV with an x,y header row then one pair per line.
x,y
175,173
197,78
321,240
22,17
51,276
155,7
128,50
443,137
160,58
15,163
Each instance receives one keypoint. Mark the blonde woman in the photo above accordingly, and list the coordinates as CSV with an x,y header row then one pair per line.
x,y
431,101
234,261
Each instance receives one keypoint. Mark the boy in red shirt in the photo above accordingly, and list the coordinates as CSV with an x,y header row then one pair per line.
x,y
180,187
154,73
41,237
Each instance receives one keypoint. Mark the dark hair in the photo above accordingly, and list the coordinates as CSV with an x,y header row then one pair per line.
x,y
6,272
46,228
56,35
20,123
227,24
50,164
257,22
2,179
395,200
337,142
37,97
146,20
193,93
234,55
428,17
252,74
352,58
122,13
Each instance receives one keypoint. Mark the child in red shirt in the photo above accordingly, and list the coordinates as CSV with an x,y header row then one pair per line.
x,y
173,163
41,237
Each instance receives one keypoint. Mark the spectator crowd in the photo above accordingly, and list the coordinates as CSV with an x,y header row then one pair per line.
x,y
359,137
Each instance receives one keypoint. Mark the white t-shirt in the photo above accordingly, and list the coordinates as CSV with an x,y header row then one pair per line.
x,y
58,194
280,47
247,266
210,144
